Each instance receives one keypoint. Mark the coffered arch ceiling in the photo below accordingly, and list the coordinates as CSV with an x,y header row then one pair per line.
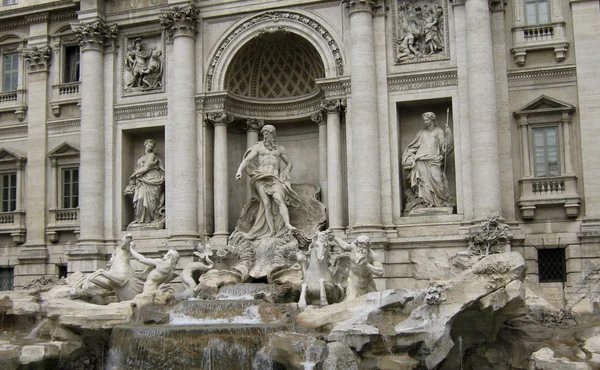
x,y
275,65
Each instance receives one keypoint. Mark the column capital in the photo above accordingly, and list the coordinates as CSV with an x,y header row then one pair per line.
x,y
318,117
333,106
92,35
219,118
180,21
371,6
254,124
38,58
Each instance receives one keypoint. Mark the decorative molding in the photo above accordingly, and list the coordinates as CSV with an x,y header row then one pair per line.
x,y
14,131
360,6
63,126
423,40
335,87
124,7
319,117
142,111
249,108
180,21
212,103
540,73
269,17
253,124
422,81
219,118
38,58
333,106
92,35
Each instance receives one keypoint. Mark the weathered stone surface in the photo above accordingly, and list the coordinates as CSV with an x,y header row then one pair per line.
x,y
544,360
430,324
36,353
296,351
340,357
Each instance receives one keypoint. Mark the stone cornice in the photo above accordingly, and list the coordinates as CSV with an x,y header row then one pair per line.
x,y
335,87
62,126
180,21
92,35
32,11
14,131
141,111
422,80
540,73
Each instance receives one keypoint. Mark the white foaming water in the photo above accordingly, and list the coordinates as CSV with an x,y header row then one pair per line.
x,y
225,296
251,316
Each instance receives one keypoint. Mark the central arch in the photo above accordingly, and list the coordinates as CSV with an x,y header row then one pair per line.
x,y
304,25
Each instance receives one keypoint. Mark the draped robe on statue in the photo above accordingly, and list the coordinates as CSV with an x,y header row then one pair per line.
x,y
428,151
252,220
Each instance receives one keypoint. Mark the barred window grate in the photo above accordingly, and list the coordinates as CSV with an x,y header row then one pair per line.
x,y
552,265
7,278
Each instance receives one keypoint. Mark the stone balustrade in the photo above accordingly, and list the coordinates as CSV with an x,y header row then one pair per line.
x,y
65,219
549,191
65,93
14,101
539,37
13,223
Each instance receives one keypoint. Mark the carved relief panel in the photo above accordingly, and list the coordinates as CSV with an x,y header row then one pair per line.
x,y
143,64
420,30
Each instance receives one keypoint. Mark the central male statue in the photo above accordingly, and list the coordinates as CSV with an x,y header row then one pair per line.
x,y
270,186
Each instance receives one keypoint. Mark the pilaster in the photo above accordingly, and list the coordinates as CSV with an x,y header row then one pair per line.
x,y
320,120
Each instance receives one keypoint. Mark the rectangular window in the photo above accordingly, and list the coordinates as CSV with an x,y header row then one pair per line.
x,y
9,191
10,71
71,65
7,278
9,2
545,151
552,265
537,11
62,271
70,187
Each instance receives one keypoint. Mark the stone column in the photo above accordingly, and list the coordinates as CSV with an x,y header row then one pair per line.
x,y
84,257
334,165
320,120
34,254
481,86
365,126
523,127
253,126
181,130
221,183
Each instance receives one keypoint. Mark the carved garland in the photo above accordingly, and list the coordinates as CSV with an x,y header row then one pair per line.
x,y
274,16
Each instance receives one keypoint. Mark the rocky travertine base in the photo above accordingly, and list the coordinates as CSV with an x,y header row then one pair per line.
x,y
482,317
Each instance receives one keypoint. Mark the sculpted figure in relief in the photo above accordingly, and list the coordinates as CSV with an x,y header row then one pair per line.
x,y
270,184
145,67
425,158
147,185
159,271
421,24
363,264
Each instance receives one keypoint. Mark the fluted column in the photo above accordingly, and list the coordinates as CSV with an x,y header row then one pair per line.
x,y
365,128
221,184
483,120
253,126
181,130
334,164
91,186
319,119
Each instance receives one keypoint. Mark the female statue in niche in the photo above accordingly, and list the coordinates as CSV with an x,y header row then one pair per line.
x,y
425,160
147,185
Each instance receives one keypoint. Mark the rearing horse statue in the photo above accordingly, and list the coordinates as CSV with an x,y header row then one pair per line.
x,y
120,277
319,280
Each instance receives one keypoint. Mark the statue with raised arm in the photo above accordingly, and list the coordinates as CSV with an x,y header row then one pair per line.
x,y
147,185
159,271
425,160
362,265
268,166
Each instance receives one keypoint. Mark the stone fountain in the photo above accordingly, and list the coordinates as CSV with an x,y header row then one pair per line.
x,y
285,294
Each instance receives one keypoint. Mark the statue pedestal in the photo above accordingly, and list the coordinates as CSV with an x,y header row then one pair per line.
x,y
433,211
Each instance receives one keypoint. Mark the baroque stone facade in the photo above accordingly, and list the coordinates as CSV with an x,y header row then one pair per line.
x,y
86,84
